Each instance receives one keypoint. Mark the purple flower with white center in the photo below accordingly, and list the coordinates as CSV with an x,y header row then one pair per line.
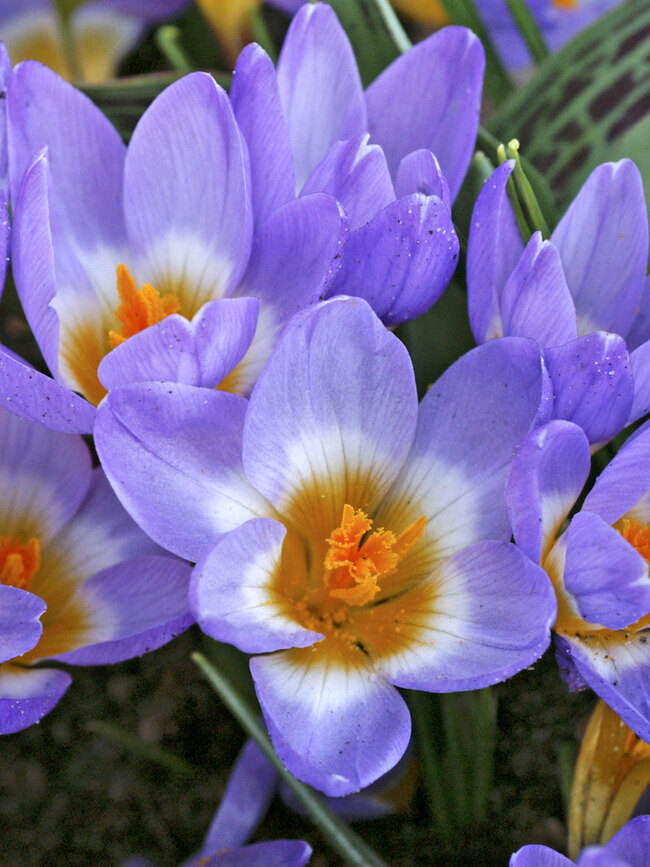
x,y
630,847
559,21
598,565
394,156
174,209
355,541
577,294
103,32
79,581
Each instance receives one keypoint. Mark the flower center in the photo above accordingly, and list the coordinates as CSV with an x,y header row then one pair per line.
x,y
566,4
139,308
638,535
354,564
19,563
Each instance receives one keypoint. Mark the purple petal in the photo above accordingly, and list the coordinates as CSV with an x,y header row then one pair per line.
x,y
465,637
275,853
616,665
5,233
538,856
321,107
20,626
33,259
495,246
631,843
86,157
173,454
37,497
200,353
640,361
547,475
245,800
334,723
592,383
232,597
131,608
430,98
536,301
603,243
356,174
639,333
471,421
402,260
624,483
290,263
335,404
420,172
607,576
187,193
36,397
255,99
28,694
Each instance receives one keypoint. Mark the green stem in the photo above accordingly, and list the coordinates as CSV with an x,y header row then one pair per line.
x,y
167,40
529,29
135,745
64,11
348,844
442,820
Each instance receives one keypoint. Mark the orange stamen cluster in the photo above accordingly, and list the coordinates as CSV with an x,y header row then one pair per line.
x,y
638,535
566,4
139,308
354,565
19,563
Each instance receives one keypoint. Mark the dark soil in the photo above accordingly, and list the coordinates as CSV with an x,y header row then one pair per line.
x,y
70,797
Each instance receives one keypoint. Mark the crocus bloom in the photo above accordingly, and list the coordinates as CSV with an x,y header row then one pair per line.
x,y
70,555
629,848
598,566
102,33
108,242
364,541
577,294
559,21
394,156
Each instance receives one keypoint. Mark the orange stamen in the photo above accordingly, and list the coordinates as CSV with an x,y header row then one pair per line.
x,y
353,567
638,535
139,309
566,4
19,563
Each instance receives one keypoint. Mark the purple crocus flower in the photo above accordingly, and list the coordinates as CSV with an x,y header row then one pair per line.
x,y
175,209
559,21
394,156
577,294
103,32
630,847
598,566
71,556
355,542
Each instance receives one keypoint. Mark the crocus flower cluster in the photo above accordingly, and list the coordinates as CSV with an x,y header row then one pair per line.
x,y
116,250
214,303
580,294
598,566
79,581
354,541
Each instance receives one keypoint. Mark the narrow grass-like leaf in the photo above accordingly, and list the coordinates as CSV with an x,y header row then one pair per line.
x,y
168,42
375,32
586,104
529,29
133,744
349,845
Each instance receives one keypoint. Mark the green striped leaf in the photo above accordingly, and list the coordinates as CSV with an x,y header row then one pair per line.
x,y
587,104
